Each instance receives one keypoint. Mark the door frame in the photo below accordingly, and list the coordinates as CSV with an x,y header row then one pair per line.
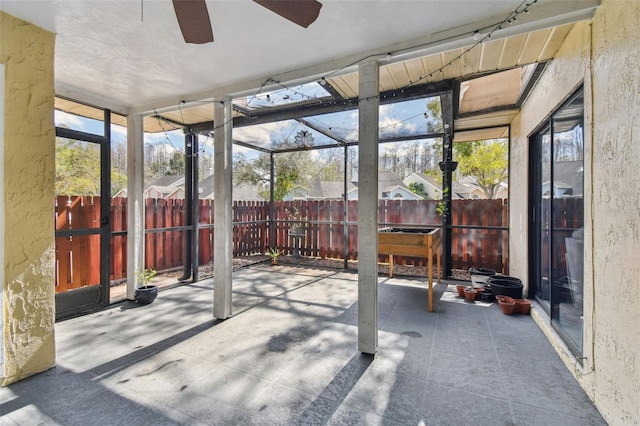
x,y
535,215
73,302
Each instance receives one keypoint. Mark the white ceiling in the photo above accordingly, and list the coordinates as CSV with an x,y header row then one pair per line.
x,y
129,55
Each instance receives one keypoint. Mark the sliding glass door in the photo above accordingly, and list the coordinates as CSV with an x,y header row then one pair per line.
x,y
557,219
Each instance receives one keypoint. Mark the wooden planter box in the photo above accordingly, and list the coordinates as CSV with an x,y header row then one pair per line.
x,y
415,243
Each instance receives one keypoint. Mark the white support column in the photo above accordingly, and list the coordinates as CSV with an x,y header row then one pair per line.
x,y
369,103
223,209
135,202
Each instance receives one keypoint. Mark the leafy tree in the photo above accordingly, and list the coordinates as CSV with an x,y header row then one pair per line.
x,y
118,181
487,161
434,108
291,169
77,168
418,188
176,164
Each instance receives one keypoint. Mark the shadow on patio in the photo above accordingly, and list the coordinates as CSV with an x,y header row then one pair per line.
x,y
289,356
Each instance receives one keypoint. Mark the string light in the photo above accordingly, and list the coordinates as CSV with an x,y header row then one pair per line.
x,y
478,36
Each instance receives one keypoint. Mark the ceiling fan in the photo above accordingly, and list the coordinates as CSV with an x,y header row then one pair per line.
x,y
195,25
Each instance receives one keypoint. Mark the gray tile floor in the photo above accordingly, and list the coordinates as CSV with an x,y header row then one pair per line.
x,y
289,356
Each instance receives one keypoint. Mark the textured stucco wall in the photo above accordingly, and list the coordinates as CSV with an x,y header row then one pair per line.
x,y
605,54
569,69
560,79
29,143
616,209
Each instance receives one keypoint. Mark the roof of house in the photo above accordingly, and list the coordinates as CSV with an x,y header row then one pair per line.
x,y
428,179
171,180
321,189
164,191
241,192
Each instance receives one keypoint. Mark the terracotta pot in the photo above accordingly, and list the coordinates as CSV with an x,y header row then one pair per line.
x,y
460,289
479,291
523,306
470,294
508,307
503,298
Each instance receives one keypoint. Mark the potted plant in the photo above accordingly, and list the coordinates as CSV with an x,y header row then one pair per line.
x,y
146,293
470,294
274,253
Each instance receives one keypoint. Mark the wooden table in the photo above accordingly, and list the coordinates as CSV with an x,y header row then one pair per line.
x,y
415,243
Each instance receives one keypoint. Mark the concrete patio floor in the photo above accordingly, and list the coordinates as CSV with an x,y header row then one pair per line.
x,y
289,356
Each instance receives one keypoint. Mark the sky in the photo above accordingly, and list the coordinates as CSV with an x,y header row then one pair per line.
x,y
398,119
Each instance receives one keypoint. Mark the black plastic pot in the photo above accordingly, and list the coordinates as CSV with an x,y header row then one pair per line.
x,y
506,286
487,296
479,275
145,295
482,271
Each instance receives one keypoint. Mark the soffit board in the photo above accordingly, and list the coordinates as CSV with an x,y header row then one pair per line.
x,y
481,134
492,55
489,56
493,119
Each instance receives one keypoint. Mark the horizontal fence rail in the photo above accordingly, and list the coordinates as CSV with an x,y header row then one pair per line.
x,y
319,228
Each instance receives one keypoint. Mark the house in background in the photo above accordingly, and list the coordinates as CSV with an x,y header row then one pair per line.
x,y
164,187
326,190
390,187
464,189
467,188
432,188
164,192
241,192
172,187
298,192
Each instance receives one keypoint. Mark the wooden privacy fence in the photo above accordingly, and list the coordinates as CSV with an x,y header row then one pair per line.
x,y
77,257
479,232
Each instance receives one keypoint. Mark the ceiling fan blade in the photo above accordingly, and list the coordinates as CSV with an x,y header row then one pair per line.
x,y
301,12
193,18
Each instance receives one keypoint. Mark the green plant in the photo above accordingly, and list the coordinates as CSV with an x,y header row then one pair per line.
x,y
441,207
146,276
273,253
